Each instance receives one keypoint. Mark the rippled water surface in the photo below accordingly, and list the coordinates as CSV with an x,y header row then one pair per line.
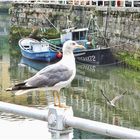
x,y
84,93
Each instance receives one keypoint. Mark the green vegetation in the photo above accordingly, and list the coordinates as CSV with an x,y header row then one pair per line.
x,y
50,33
17,33
132,60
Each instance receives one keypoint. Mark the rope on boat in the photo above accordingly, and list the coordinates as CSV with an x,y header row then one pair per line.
x,y
52,46
102,35
96,25
51,22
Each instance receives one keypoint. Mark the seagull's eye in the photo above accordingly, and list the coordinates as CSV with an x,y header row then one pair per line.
x,y
73,43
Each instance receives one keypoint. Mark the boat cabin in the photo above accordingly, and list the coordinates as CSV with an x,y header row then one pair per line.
x,y
78,35
39,47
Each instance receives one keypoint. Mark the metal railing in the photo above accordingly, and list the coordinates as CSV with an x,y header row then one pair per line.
x,y
114,3
24,111
61,120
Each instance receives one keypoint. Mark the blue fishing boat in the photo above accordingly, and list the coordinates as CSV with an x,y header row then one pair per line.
x,y
36,50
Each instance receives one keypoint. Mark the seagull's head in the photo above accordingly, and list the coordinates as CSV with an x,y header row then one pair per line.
x,y
70,45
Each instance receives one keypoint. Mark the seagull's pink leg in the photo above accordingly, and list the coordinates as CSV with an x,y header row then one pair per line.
x,y
54,95
59,103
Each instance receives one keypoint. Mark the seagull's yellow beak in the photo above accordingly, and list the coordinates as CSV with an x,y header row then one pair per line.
x,y
80,46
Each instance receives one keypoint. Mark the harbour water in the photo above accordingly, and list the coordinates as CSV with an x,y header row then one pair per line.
x,y
84,93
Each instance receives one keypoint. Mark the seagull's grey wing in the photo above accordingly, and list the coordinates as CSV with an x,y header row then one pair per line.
x,y
105,96
50,77
114,100
47,68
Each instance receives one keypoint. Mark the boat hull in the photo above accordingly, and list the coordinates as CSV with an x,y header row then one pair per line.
x,y
42,56
99,56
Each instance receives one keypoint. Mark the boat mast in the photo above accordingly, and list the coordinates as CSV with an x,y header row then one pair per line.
x,y
68,21
106,24
91,31
95,27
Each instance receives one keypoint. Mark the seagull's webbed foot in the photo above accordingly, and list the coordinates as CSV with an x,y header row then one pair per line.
x,y
62,105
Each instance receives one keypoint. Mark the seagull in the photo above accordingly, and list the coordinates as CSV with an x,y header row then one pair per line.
x,y
114,100
52,77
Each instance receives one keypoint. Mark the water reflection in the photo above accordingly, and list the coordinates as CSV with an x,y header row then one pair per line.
x,y
4,24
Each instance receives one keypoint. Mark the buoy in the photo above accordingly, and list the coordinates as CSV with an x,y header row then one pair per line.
x,y
59,55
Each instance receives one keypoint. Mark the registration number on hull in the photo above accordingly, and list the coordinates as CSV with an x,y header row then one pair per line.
x,y
88,58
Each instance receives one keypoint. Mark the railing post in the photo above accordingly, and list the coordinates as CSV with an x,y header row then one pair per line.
x,y
73,2
132,3
56,126
123,3
90,3
79,2
103,3
97,3
116,3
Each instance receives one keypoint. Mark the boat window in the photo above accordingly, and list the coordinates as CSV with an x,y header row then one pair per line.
x,y
82,35
27,47
79,35
75,36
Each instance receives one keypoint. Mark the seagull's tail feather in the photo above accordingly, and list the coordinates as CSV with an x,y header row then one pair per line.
x,y
20,92
20,86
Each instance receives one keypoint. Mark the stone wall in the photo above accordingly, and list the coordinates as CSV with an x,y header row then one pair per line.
x,y
122,27
59,16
